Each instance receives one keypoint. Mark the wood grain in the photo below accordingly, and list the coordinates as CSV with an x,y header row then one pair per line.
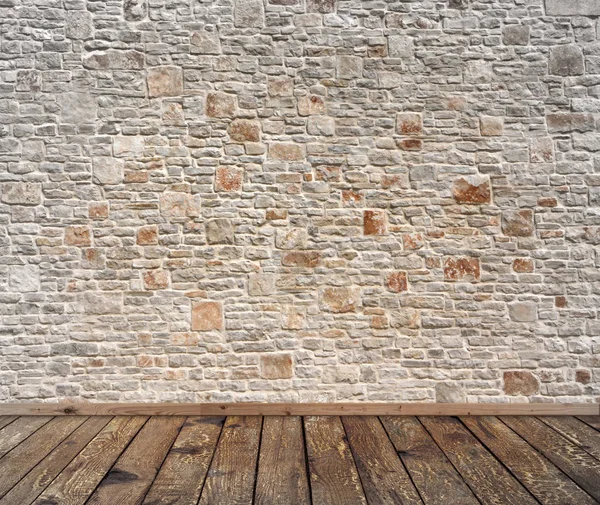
x,y
6,420
433,474
282,475
577,432
182,474
299,409
574,461
78,480
333,474
17,431
593,421
546,482
130,478
480,469
230,480
15,464
30,487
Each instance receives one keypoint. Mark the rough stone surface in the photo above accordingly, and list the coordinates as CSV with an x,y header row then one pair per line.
x,y
520,383
299,200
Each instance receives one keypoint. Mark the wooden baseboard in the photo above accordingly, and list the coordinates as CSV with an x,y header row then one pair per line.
x,y
299,409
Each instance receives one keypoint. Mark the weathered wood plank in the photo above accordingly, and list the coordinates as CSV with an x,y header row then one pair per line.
x,y
130,478
593,421
299,409
574,461
30,487
382,474
230,480
333,474
78,480
436,479
577,432
487,478
282,475
182,474
546,482
15,464
4,420
17,431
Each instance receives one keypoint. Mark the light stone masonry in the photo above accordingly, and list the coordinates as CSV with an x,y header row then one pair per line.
x,y
300,200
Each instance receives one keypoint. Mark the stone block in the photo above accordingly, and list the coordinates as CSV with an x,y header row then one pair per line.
x,y
321,125
21,193
320,6
248,13
340,300
219,231
244,130
221,105
147,235
262,284
349,67
462,269
396,282
491,126
311,104
207,316
128,146
450,393
280,86
472,189
572,7
79,25
518,222
409,123
98,210
541,150
24,278
205,42
565,122
156,279
520,383
107,170
515,35
294,238
165,81
102,302
305,259
114,59
286,151
135,10
401,46
525,312
276,366
174,204
374,222
77,107
80,236
229,179
523,265
566,60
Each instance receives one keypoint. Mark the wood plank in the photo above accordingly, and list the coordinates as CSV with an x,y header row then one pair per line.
x,y
230,480
30,487
182,475
4,420
546,482
574,461
15,464
593,421
129,479
436,479
383,476
333,475
282,475
487,478
299,409
577,432
17,431
78,480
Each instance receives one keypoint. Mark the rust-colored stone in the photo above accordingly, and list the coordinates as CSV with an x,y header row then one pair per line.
x,y
520,383
207,316
583,376
286,152
220,105
276,214
409,123
518,223
352,198
229,179
413,241
301,259
147,235
98,210
276,366
156,279
244,130
461,269
78,236
560,302
397,282
395,181
374,222
547,202
523,265
410,144
340,299
472,189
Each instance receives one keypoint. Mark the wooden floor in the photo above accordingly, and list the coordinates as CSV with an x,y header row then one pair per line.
x,y
101,460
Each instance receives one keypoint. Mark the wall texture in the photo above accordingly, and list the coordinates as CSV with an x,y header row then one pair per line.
x,y
300,200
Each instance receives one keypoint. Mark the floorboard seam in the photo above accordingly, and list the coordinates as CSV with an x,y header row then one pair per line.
x,y
212,457
306,462
362,486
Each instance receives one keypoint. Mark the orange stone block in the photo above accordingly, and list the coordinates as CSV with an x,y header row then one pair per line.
x,y
374,222
78,236
207,316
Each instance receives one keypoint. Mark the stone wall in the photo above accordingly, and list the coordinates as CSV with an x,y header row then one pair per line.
x,y
300,200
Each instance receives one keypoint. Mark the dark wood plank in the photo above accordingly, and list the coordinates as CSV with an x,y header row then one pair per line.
x,y
182,475
230,480
282,475
383,476
333,475
546,482
129,479
30,487
15,464
4,420
436,479
487,478
17,431
78,480
577,432
574,461
593,421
